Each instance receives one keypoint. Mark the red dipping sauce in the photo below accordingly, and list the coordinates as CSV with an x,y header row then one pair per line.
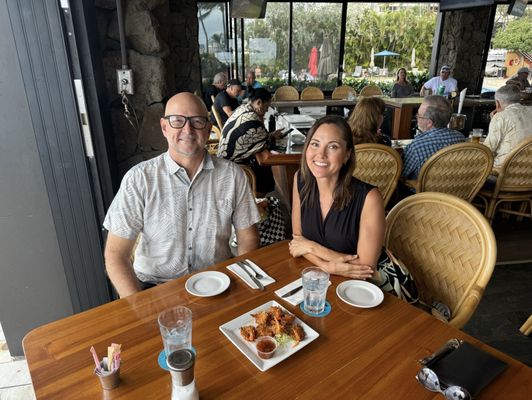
x,y
266,347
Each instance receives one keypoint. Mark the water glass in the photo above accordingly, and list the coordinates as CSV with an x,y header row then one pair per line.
x,y
315,284
175,325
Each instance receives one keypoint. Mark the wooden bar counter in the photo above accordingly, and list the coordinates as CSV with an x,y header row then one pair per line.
x,y
360,353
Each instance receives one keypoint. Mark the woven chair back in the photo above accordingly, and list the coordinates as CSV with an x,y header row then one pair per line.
x,y
516,172
378,165
217,117
448,247
312,93
251,178
460,169
342,92
286,93
371,90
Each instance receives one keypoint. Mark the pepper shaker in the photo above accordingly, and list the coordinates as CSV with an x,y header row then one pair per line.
x,y
181,365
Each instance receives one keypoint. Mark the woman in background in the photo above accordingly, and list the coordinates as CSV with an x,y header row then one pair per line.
x,y
245,140
366,120
401,87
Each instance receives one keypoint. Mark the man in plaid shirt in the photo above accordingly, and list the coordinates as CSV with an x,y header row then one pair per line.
x,y
432,119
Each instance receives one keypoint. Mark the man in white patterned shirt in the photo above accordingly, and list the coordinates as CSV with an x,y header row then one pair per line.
x,y
180,205
511,123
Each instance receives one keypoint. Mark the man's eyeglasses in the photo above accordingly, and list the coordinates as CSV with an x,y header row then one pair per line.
x,y
420,116
430,381
179,121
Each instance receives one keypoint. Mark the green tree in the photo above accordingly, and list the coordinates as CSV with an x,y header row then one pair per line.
x,y
517,35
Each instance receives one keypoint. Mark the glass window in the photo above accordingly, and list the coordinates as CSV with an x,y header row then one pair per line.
x,y
266,46
404,30
213,46
316,44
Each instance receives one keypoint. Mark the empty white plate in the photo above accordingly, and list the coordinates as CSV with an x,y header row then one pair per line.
x,y
360,293
207,283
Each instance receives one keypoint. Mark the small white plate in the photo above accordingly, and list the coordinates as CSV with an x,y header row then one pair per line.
x,y
360,293
207,283
231,329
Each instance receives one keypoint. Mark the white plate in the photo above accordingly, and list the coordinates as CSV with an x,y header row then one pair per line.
x,y
207,283
360,293
231,329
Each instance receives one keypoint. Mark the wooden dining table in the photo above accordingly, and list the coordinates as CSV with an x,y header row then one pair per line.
x,y
361,353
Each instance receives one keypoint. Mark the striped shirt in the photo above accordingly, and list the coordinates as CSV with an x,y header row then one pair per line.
x,y
184,225
425,145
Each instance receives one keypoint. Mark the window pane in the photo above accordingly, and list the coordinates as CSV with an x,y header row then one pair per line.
x,y
316,44
266,46
212,41
405,29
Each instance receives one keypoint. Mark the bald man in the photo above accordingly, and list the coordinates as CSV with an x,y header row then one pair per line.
x,y
179,207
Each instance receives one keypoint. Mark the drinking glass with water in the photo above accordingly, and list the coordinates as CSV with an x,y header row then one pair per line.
x,y
175,325
315,284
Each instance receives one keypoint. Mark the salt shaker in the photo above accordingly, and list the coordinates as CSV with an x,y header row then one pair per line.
x,y
181,365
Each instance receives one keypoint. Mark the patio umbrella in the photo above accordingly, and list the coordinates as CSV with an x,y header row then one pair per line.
x,y
386,53
372,59
313,62
325,65
413,62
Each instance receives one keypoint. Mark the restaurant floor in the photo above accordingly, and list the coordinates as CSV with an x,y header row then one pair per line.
x,y
505,306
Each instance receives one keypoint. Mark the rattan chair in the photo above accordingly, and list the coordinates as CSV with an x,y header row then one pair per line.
x,y
217,117
371,90
448,247
251,178
514,184
460,169
342,92
312,93
286,93
212,144
378,165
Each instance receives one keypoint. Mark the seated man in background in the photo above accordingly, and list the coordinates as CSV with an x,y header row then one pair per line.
x,y
444,79
219,83
251,83
432,119
182,204
511,123
521,79
227,101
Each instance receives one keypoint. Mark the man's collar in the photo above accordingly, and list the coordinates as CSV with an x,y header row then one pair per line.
x,y
174,167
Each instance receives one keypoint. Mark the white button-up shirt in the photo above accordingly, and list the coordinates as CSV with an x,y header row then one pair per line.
x,y
184,225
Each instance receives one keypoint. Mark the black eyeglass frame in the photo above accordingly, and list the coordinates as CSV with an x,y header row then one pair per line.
x,y
192,120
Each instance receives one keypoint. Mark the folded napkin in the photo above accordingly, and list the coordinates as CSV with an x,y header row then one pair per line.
x,y
237,270
296,298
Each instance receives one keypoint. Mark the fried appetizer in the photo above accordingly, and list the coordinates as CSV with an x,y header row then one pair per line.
x,y
261,318
276,312
249,333
297,333
264,330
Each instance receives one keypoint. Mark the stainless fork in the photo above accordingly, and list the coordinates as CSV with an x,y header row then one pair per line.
x,y
258,275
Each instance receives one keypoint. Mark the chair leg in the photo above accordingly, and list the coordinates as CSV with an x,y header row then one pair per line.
x,y
490,210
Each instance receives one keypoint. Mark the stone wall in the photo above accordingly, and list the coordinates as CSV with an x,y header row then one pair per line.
x,y
464,35
163,52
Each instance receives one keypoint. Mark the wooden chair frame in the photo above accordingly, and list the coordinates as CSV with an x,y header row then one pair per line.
x,y
371,90
342,92
286,93
312,93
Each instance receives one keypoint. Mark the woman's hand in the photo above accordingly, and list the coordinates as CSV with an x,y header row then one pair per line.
x,y
299,246
348,267
277,134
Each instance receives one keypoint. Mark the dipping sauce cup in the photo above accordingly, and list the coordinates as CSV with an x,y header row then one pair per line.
x,y
266,346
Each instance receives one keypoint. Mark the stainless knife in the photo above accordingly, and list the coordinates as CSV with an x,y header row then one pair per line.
x,y
292,292
255,280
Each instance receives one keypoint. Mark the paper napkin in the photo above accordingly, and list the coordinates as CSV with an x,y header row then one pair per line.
x,y
237,270
296,298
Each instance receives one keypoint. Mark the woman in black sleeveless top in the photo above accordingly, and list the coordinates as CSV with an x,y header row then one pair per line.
x,y
337,220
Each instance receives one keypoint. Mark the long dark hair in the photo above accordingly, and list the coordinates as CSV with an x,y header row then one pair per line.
x,y
397,75
342,193
365,120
